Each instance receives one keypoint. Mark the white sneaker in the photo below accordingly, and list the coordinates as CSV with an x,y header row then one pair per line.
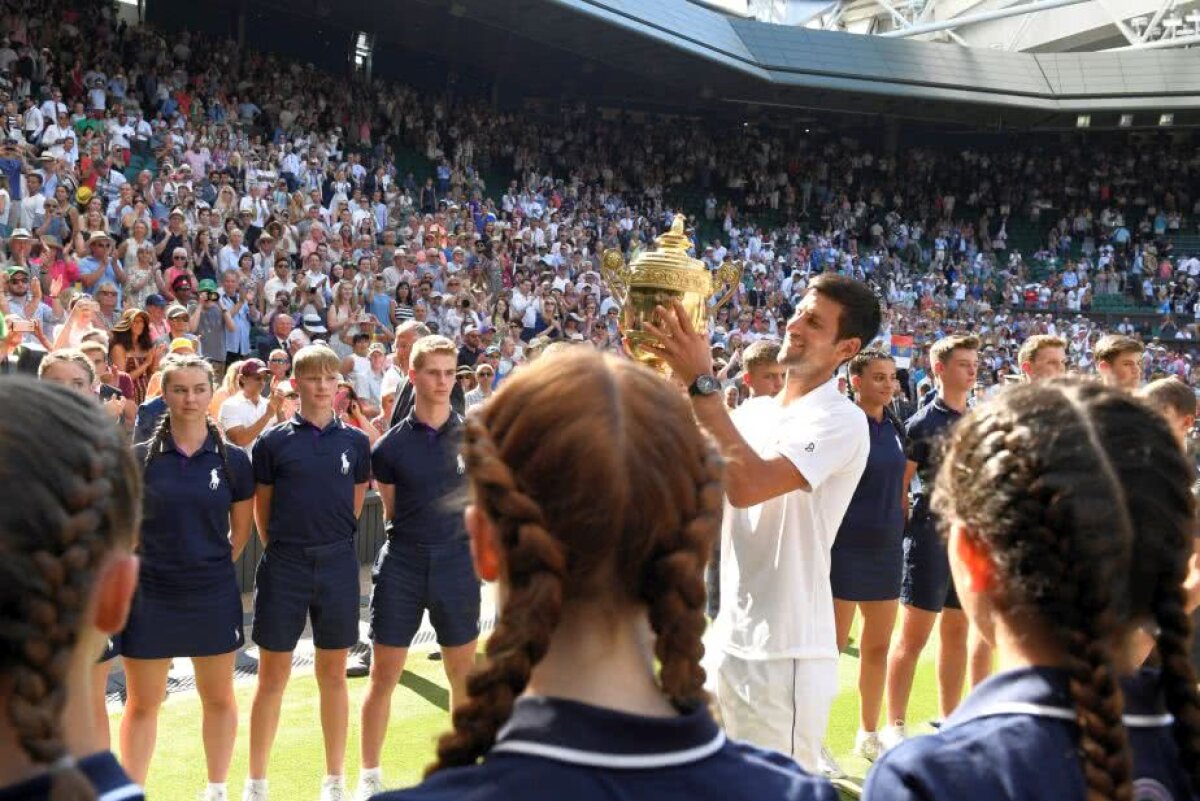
x,y
254,793
368,788
867,745
829,766
893,735
333,789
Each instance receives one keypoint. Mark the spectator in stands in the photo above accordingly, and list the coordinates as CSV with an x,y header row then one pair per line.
x,y
1119,361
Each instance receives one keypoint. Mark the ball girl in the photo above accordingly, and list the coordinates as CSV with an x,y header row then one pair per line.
x,y
1069,518
595,503
197,518
867,556
66,580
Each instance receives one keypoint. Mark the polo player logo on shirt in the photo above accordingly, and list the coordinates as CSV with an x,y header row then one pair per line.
x,y
345,463
810,447
462,465
214,480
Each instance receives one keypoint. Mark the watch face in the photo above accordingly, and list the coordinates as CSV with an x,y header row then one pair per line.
x,y
707,384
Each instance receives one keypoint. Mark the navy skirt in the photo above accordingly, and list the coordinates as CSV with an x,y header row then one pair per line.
x,y
866,574
166,623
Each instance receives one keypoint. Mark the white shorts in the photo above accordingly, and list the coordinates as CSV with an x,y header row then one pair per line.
x,y
780,704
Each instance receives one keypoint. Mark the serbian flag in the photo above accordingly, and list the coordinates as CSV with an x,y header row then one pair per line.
x,y
902,349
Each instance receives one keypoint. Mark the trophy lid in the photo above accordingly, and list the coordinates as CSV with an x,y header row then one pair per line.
x,y
669,266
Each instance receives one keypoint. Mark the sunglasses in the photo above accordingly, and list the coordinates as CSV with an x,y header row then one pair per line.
x,y
24,279
278,361
107,292
179,258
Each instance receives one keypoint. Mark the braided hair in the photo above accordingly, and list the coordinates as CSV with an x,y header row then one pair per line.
x,y
79,491
1033,477
162,431
602,489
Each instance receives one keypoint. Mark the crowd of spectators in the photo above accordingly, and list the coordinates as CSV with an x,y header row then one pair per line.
x,y
162,191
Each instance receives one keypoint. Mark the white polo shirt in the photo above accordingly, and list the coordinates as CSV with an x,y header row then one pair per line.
x,y
237,410
776,601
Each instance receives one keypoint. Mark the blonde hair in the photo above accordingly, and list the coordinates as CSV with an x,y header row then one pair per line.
x,y
942,349
1036,344
428,346
316,360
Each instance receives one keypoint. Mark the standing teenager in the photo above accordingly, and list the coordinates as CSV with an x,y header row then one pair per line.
x,y
68,576
594,504
426,563
197,519
311,474
1069,522
868,554
927,588
794,462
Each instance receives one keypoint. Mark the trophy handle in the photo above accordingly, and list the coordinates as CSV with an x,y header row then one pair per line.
x,y
729,273
616,274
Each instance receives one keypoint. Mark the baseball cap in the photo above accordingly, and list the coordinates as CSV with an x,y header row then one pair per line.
x,y
181,343
20,233
155,300
492,350
207,285
376,347
17,268
252,367
176,310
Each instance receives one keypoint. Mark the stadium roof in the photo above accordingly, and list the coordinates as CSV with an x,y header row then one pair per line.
x,y
703,59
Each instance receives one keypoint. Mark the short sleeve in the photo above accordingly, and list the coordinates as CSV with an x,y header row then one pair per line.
x,y
241,474
381,463
362,462
226,416
916,448
825,446
262,461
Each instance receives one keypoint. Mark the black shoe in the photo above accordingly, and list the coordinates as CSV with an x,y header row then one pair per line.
x,y
358,665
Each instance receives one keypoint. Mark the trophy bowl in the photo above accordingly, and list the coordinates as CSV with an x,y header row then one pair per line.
x,y
657,277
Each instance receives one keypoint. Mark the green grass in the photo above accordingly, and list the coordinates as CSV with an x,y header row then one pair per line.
x,y
418,717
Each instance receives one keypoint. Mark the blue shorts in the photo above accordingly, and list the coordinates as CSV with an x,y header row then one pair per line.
x,y
926,582
410,578
295,582
166,623
866,574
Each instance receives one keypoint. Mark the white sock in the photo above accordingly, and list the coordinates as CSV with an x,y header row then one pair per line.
x,y
338,780
371,773
217,790
257,784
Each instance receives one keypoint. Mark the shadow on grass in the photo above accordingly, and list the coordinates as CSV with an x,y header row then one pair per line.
x,y
431,691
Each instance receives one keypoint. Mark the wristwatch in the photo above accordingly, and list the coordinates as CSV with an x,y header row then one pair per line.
x,y
704,385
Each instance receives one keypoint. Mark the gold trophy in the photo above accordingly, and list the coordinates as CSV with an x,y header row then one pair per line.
x,y
655,278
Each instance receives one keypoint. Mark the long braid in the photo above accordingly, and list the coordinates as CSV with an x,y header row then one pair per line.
x,y
673,586
1018,483
76,504
154,445
536,568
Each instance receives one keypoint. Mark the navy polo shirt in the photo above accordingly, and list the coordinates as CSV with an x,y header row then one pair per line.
x,y
426,470
555,749
102,771
926,431
875,514
313,472
185,523
1015,737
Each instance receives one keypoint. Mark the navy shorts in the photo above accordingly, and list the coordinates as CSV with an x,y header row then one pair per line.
x,y
410,578
866,574
926,582
168,622
295,582
112,649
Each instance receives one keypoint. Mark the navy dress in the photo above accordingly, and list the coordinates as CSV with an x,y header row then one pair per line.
x,y
868,554
187,602
1015,739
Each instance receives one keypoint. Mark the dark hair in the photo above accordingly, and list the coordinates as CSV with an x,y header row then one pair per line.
x,y
1064,482
863,359
632,521
860,316
79,494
